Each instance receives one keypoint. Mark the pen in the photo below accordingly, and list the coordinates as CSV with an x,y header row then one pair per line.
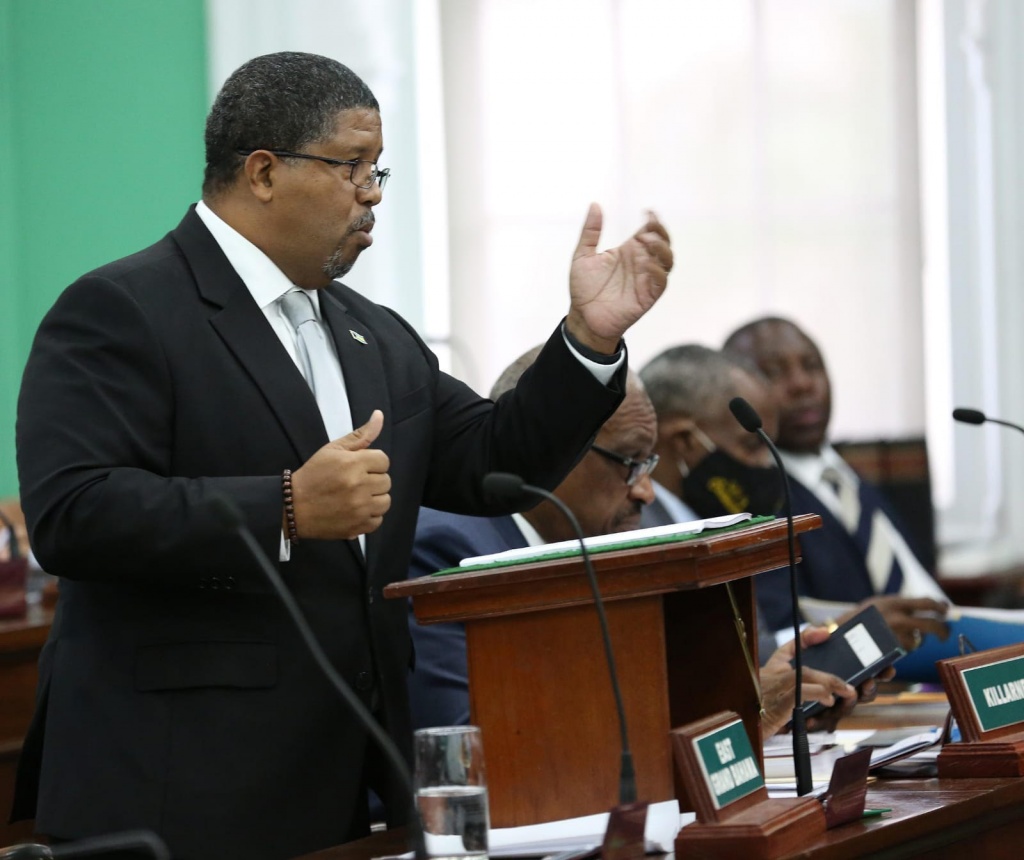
x,y
873,813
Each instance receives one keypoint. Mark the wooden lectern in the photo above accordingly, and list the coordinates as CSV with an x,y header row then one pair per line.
x,y
539,685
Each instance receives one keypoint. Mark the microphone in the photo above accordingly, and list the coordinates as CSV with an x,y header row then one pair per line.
x,y
750,421
974,416
504,486
230,516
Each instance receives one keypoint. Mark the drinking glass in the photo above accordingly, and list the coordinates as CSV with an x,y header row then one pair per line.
x,y
451,792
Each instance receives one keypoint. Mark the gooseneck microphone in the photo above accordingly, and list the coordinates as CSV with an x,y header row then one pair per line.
x,y
231,517
98,847
505,486
751,422
974,416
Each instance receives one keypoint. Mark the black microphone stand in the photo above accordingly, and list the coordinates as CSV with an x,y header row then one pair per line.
x,y
506,485
751,422
230,515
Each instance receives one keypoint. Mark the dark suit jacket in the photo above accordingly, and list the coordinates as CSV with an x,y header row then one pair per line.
x,y
439,684
174,693
833,566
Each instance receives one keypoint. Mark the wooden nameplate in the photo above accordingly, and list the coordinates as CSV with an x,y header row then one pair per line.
x,y
986,695
735,817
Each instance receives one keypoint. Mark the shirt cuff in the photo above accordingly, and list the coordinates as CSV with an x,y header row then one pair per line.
x,y
285,552
602,370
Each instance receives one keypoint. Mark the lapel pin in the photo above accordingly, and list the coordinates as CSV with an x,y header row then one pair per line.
x,y
357,336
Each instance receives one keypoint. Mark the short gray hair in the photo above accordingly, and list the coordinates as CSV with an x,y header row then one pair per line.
x,y
691,379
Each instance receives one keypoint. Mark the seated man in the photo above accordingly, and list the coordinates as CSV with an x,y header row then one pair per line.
x,y
606,491
709,465
859,551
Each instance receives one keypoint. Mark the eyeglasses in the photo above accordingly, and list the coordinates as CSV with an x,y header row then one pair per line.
x,y
637,468
364,173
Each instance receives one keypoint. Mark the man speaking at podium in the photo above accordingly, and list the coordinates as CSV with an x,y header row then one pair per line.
x,y
227,360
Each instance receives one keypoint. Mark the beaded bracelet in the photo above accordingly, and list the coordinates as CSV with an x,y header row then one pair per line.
x,y
289,505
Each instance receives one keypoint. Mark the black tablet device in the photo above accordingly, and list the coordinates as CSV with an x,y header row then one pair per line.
x,y
857,650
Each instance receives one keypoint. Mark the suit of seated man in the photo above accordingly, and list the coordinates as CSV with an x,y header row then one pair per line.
x,y
860,552
607,491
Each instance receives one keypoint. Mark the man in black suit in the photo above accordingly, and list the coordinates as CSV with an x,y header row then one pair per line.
x,y
174,693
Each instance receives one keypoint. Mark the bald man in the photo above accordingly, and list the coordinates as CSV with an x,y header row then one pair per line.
x,y
606,491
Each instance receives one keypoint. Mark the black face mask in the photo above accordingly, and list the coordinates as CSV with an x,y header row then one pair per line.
x,y
721,485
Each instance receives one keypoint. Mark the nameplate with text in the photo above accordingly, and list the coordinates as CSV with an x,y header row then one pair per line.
x,y
728,763
997,693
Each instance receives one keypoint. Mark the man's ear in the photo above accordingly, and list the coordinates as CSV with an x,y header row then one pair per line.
x,y
260,170
678,439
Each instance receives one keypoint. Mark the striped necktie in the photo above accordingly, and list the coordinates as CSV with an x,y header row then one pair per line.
x,y
872,531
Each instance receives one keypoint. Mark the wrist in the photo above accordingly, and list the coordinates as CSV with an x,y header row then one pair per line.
x,y
586,343
289,526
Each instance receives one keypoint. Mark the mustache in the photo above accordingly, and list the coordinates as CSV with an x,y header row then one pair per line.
x,y
367,220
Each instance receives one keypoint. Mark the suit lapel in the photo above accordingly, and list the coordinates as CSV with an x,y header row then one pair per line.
x,y
246,332
365,382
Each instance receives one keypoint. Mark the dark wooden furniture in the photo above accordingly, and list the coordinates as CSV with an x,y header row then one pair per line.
x,y
539,686
20,642
938,819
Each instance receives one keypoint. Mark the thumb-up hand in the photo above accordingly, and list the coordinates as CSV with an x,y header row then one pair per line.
x,y
343,490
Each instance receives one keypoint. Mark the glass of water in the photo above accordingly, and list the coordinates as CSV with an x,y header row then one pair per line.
x,y
451,791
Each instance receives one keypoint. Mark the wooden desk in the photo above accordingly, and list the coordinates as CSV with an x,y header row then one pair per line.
x,y
930,818
20,642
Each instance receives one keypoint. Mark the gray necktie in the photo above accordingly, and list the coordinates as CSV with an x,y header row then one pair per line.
x,y
318,363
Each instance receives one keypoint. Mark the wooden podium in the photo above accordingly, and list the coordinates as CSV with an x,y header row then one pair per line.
x,y
539,686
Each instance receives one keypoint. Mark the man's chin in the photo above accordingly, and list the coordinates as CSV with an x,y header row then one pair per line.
x,y
337,267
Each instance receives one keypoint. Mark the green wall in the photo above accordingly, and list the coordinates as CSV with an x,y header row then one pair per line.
x,y
102,105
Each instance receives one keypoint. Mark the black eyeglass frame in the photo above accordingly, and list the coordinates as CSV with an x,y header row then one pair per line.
x,y
378,175
637,468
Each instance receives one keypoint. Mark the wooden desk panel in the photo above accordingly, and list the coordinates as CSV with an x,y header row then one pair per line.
x,y
20,642
930,818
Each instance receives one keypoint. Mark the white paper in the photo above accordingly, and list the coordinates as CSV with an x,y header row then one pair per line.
x,y
637,535
587,832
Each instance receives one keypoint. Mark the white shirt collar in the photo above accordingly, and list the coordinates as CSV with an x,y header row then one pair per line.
x,y
677,509
808,468
259,273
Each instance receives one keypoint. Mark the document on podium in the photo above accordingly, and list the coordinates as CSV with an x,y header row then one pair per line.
x,y
585,833
578,835
618,540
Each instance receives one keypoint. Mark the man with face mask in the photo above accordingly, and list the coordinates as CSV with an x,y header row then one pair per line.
x,y
709,465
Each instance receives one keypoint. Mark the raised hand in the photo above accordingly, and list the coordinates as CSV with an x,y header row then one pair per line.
x,y
611,290
343,490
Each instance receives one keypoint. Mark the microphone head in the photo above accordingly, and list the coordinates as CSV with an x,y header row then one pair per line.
x,y
225,511
745,414
503,487
969,416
